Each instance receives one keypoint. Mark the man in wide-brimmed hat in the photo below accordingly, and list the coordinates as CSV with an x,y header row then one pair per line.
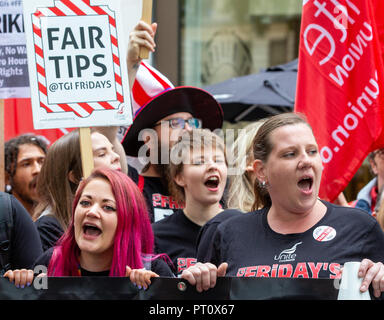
x,y
162,113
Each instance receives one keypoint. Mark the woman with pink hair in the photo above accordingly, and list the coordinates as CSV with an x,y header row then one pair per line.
x,y
109,235
109,217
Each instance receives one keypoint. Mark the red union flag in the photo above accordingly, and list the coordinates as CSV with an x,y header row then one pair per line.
x,y
18,120
339,86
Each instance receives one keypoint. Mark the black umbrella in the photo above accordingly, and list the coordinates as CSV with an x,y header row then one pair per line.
x,y
259,95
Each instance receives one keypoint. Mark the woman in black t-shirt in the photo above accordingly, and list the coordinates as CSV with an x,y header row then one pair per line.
x,y
296,234
198,174
109,235
109,232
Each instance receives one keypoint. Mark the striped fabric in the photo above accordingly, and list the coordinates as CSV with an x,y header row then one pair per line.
x,y
149,82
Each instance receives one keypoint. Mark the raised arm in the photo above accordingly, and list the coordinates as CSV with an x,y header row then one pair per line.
x,y
142,35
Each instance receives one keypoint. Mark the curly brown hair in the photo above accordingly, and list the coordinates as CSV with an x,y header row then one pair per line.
x,y
11,150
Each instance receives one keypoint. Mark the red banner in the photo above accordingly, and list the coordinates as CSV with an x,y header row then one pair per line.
x,y
18,120
339,85
378,7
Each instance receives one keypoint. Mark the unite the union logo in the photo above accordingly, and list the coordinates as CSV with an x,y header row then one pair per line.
x,y
287,254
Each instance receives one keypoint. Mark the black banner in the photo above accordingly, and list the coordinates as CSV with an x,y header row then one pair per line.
x,y
115,288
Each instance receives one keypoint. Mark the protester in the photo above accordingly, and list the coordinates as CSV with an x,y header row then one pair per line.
x,y
197,177
24,156
240,192
367,197
20,242
295,234
162,114
109,235
109,218
112,134
59,179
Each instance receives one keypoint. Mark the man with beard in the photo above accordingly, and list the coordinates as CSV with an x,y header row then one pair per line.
x,y
24,156
162,113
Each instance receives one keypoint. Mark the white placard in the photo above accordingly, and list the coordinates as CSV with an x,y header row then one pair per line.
x,y
77,62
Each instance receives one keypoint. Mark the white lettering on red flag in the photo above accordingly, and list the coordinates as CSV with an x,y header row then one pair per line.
x,y
339,85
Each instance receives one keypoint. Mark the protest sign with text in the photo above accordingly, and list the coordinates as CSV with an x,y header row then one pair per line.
x,y
14,82
77,68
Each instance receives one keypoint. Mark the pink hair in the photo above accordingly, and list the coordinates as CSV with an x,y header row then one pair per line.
x,y
133,237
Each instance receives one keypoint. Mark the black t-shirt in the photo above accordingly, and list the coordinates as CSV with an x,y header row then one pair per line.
x,y
155,190
49,229
177,236
252,249
207,232
25,240
157,265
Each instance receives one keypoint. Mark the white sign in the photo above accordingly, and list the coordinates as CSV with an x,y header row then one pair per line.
x,y
77,65
14,82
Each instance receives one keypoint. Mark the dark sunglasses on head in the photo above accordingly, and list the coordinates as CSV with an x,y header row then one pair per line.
x,y
179,123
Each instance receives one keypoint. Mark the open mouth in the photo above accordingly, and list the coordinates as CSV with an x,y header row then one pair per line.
x,y
305,184
91,230
212,182
33,183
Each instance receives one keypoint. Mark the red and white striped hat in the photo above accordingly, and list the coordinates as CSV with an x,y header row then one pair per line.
x,y
149,82
154,97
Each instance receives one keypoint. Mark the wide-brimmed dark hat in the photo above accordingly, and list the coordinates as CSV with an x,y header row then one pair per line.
x,y
196,101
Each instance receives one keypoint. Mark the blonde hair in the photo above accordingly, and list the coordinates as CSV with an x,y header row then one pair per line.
x,y
197,139
240,190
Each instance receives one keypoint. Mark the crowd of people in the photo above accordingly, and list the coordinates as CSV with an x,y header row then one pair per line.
x,y
181,214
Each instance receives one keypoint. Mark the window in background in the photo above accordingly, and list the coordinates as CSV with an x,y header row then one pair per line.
x,y
222,39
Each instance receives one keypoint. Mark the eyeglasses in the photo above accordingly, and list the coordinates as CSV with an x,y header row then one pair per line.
x,y
179,123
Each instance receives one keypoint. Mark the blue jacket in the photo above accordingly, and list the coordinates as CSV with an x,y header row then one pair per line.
x,y
364,199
